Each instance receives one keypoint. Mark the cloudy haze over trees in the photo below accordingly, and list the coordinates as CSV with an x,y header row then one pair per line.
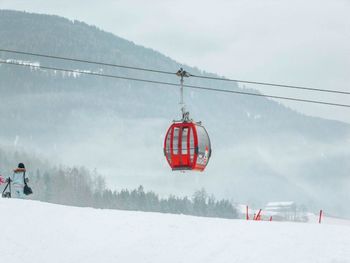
x,y
262,150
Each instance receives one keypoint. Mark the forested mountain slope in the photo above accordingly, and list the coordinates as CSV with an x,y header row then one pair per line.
x,y
262,151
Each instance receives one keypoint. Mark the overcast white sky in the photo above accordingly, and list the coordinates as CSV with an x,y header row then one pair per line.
x,y
288,41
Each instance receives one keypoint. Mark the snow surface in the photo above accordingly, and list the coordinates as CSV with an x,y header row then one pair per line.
x,y
33,231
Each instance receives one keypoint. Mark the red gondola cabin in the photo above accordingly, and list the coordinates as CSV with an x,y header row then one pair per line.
x,y
187,146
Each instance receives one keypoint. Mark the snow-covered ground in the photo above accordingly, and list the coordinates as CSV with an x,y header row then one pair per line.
x,y
38,232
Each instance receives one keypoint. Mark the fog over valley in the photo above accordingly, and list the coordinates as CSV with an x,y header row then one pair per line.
x,y
262,150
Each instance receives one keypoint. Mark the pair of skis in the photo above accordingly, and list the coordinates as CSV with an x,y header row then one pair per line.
x,y
4,193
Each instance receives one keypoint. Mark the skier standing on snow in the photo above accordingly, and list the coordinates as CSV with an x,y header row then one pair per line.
x,y
19,180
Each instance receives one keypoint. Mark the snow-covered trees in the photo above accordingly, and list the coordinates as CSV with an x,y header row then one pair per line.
x,y
79,187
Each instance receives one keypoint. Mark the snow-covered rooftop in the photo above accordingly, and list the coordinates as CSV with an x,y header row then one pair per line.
x,y
280,204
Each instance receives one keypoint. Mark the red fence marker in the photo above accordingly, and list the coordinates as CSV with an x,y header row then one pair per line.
x,y
247,213
258,217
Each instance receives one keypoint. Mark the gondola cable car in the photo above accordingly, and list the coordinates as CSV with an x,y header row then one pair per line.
x,y
187,143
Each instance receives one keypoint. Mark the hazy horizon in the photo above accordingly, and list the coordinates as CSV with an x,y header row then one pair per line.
x,y
262,151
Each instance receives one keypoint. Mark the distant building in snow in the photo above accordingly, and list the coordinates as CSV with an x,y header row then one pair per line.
x,y
282,211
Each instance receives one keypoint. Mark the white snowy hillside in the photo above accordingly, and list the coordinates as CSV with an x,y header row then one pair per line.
x,y
33,231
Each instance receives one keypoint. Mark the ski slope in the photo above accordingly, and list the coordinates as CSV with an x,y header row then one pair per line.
x,y
35,232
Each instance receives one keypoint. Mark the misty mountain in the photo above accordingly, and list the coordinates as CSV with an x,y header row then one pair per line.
x,y
262,150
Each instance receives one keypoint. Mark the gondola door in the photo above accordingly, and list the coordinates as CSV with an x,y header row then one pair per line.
x,y
180,147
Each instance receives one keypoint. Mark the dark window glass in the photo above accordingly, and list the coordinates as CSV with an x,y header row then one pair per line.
x,y
184,141
176,141
203,146
167,146
191,145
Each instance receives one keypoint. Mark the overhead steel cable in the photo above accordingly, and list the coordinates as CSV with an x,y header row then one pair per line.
x,y
172,73
173,84
84,72
271,84
87,61
270,96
